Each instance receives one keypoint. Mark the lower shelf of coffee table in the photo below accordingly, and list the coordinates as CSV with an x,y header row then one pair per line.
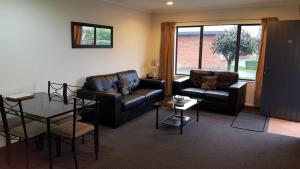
x,y
175,121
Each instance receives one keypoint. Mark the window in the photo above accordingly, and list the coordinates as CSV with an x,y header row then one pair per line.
x,y
86,35
250,40
103,36
216,48
219,46
188,46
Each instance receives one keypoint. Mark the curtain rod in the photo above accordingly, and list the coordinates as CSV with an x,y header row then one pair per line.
x,y
252,19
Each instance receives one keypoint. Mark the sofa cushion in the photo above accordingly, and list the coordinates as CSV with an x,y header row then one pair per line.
x,y
196,77
131,100
124,86
209,82
132,77
102,83
226,79
192,92
149,93
216,95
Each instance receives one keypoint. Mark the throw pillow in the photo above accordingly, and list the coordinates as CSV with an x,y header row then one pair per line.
x,y
197,75
124,86
111,90
209,82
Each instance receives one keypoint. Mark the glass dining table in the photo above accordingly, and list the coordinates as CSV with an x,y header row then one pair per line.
x,y
40,108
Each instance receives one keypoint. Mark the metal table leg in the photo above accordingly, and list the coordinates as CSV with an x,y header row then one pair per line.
x,y
156,117
181,119
198,111
49,144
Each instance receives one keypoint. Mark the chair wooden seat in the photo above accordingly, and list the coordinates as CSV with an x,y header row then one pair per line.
x,y
33,129
66,129
13,122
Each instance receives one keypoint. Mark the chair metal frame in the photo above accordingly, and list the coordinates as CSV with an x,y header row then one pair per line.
x,y
88,104
17,110
56,95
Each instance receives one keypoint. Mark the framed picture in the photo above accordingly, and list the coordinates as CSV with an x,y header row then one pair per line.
x,y
85,35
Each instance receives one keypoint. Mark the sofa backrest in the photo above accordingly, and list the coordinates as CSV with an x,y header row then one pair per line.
x,y
102,82
196,76
131,76
224,78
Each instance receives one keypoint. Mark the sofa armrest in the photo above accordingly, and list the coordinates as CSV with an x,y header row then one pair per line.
x,y
110,106
179,84
237,94
238,85
152,84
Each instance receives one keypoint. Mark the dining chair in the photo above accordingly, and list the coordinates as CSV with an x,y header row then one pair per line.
x,y
75,129
12,122
58,92
65,93
26,130
71,93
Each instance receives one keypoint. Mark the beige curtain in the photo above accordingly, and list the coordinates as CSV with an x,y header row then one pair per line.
x,y
261,61
166,68
77,34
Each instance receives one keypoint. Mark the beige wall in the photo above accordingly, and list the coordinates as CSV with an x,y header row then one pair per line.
x,y
219,17
36,39
36,42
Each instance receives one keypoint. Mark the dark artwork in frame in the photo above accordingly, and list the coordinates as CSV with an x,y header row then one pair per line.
x,y
86,35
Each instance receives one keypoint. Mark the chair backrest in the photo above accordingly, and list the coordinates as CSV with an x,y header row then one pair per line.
x,y
13,108
71,93
89,104
57,92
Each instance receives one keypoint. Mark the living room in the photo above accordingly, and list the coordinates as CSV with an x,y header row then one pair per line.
x,y
37,46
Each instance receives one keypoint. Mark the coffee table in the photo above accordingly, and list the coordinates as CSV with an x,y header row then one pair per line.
x,y
170,103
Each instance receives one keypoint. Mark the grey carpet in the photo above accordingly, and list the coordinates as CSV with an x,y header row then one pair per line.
x,y
250,119
209,144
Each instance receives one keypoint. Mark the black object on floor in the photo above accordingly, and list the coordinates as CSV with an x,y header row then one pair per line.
x,y
251,120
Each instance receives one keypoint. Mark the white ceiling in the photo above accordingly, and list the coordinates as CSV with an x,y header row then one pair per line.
x,y
159,6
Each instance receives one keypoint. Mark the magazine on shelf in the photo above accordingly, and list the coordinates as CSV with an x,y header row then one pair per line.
x,y
175,120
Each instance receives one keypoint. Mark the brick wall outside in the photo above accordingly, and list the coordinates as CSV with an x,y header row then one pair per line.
x,y
209,59
188,53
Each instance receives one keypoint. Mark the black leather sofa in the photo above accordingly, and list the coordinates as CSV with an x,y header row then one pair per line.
x,y
115,108
228,97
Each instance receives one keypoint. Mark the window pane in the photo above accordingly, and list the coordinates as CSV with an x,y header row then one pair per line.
x,y
103,36
219,47
87,35
249,51
188,44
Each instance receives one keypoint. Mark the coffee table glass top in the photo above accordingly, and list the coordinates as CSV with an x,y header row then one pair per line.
x,y
170,102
